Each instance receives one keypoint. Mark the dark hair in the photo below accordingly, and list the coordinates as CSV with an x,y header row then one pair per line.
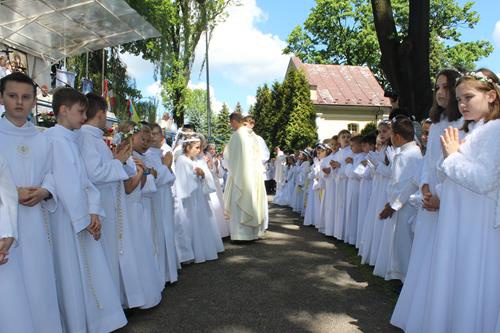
x,y
398,112
370,138
491,82
356,139
67,97
344,131
236,116
17,77
155,125
335,137
451,112
96,104
391,94
249,119
404,127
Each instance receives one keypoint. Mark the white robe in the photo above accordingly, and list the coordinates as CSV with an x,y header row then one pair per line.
x,y
279,170
372,226
27,152
327,209
409,307
87,295
365,191
313,196
245,198
216,200
163,206
282,192
196,214
107,175
15,314
463,294
340,193
140,214
395,244
352,199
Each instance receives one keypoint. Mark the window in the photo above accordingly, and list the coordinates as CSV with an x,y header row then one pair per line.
x,y
353,127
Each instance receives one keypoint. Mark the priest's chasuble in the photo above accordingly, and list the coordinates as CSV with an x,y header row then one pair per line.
x,y
245,194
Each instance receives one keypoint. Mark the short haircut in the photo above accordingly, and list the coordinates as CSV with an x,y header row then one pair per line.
x,y
249,119
344,131
356,139
404,127
370,138
236,116
155,125
335,137
96,104
67,97
17,77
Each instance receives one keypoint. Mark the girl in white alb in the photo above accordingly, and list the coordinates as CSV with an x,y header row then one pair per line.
x,y
463,293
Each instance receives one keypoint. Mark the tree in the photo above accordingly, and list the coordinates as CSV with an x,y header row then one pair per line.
x,y
371,127
146,109
410,34
238,108
263,114
115,71
180,23
297,114
196,109
222,130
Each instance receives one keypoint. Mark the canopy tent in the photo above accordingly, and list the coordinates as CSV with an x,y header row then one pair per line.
x,y
55,29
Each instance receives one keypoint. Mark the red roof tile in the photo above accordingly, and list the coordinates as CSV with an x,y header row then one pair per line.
x,y
343,84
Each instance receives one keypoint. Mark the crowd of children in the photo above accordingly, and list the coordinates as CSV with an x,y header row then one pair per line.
x,y
424,211
87,230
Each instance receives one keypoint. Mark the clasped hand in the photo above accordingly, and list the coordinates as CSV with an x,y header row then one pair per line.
x,y
31,196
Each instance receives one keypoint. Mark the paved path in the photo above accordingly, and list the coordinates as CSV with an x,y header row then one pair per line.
x,y
293,280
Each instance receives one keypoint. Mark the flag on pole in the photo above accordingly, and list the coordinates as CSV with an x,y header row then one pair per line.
x,y
132,112
105,94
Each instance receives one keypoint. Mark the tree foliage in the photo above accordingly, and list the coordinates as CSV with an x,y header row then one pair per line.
x,y
371,127
115,71
146,109
343,32
238,108
266,112
181,24
221,129
196,109
296,122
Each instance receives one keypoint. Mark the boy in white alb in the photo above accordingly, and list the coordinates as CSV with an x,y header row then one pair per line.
x,y
26,151
352,193
163,205
405,167
87,294
15,314
107,170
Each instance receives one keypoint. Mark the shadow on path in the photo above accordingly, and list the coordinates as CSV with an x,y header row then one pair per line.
x,y
293,280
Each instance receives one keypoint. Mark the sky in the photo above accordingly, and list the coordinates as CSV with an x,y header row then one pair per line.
x,y
246,50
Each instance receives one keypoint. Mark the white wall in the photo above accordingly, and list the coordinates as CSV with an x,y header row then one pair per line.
x,y
331,120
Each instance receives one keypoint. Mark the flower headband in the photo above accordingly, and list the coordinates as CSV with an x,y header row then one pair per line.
x,y
136,129
479,76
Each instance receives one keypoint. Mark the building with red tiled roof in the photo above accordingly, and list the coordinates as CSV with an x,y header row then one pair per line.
x,y
344,97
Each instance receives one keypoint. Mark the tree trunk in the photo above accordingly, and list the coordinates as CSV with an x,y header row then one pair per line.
x,y
406,63
419,36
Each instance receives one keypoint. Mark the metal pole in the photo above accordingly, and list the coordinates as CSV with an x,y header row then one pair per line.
x,y
102,72
209,112
86,65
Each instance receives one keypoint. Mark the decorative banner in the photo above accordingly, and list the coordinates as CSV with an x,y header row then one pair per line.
x,y
65,79
132,112
87,86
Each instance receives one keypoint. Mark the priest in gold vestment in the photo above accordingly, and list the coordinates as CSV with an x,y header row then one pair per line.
x,y
245,196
